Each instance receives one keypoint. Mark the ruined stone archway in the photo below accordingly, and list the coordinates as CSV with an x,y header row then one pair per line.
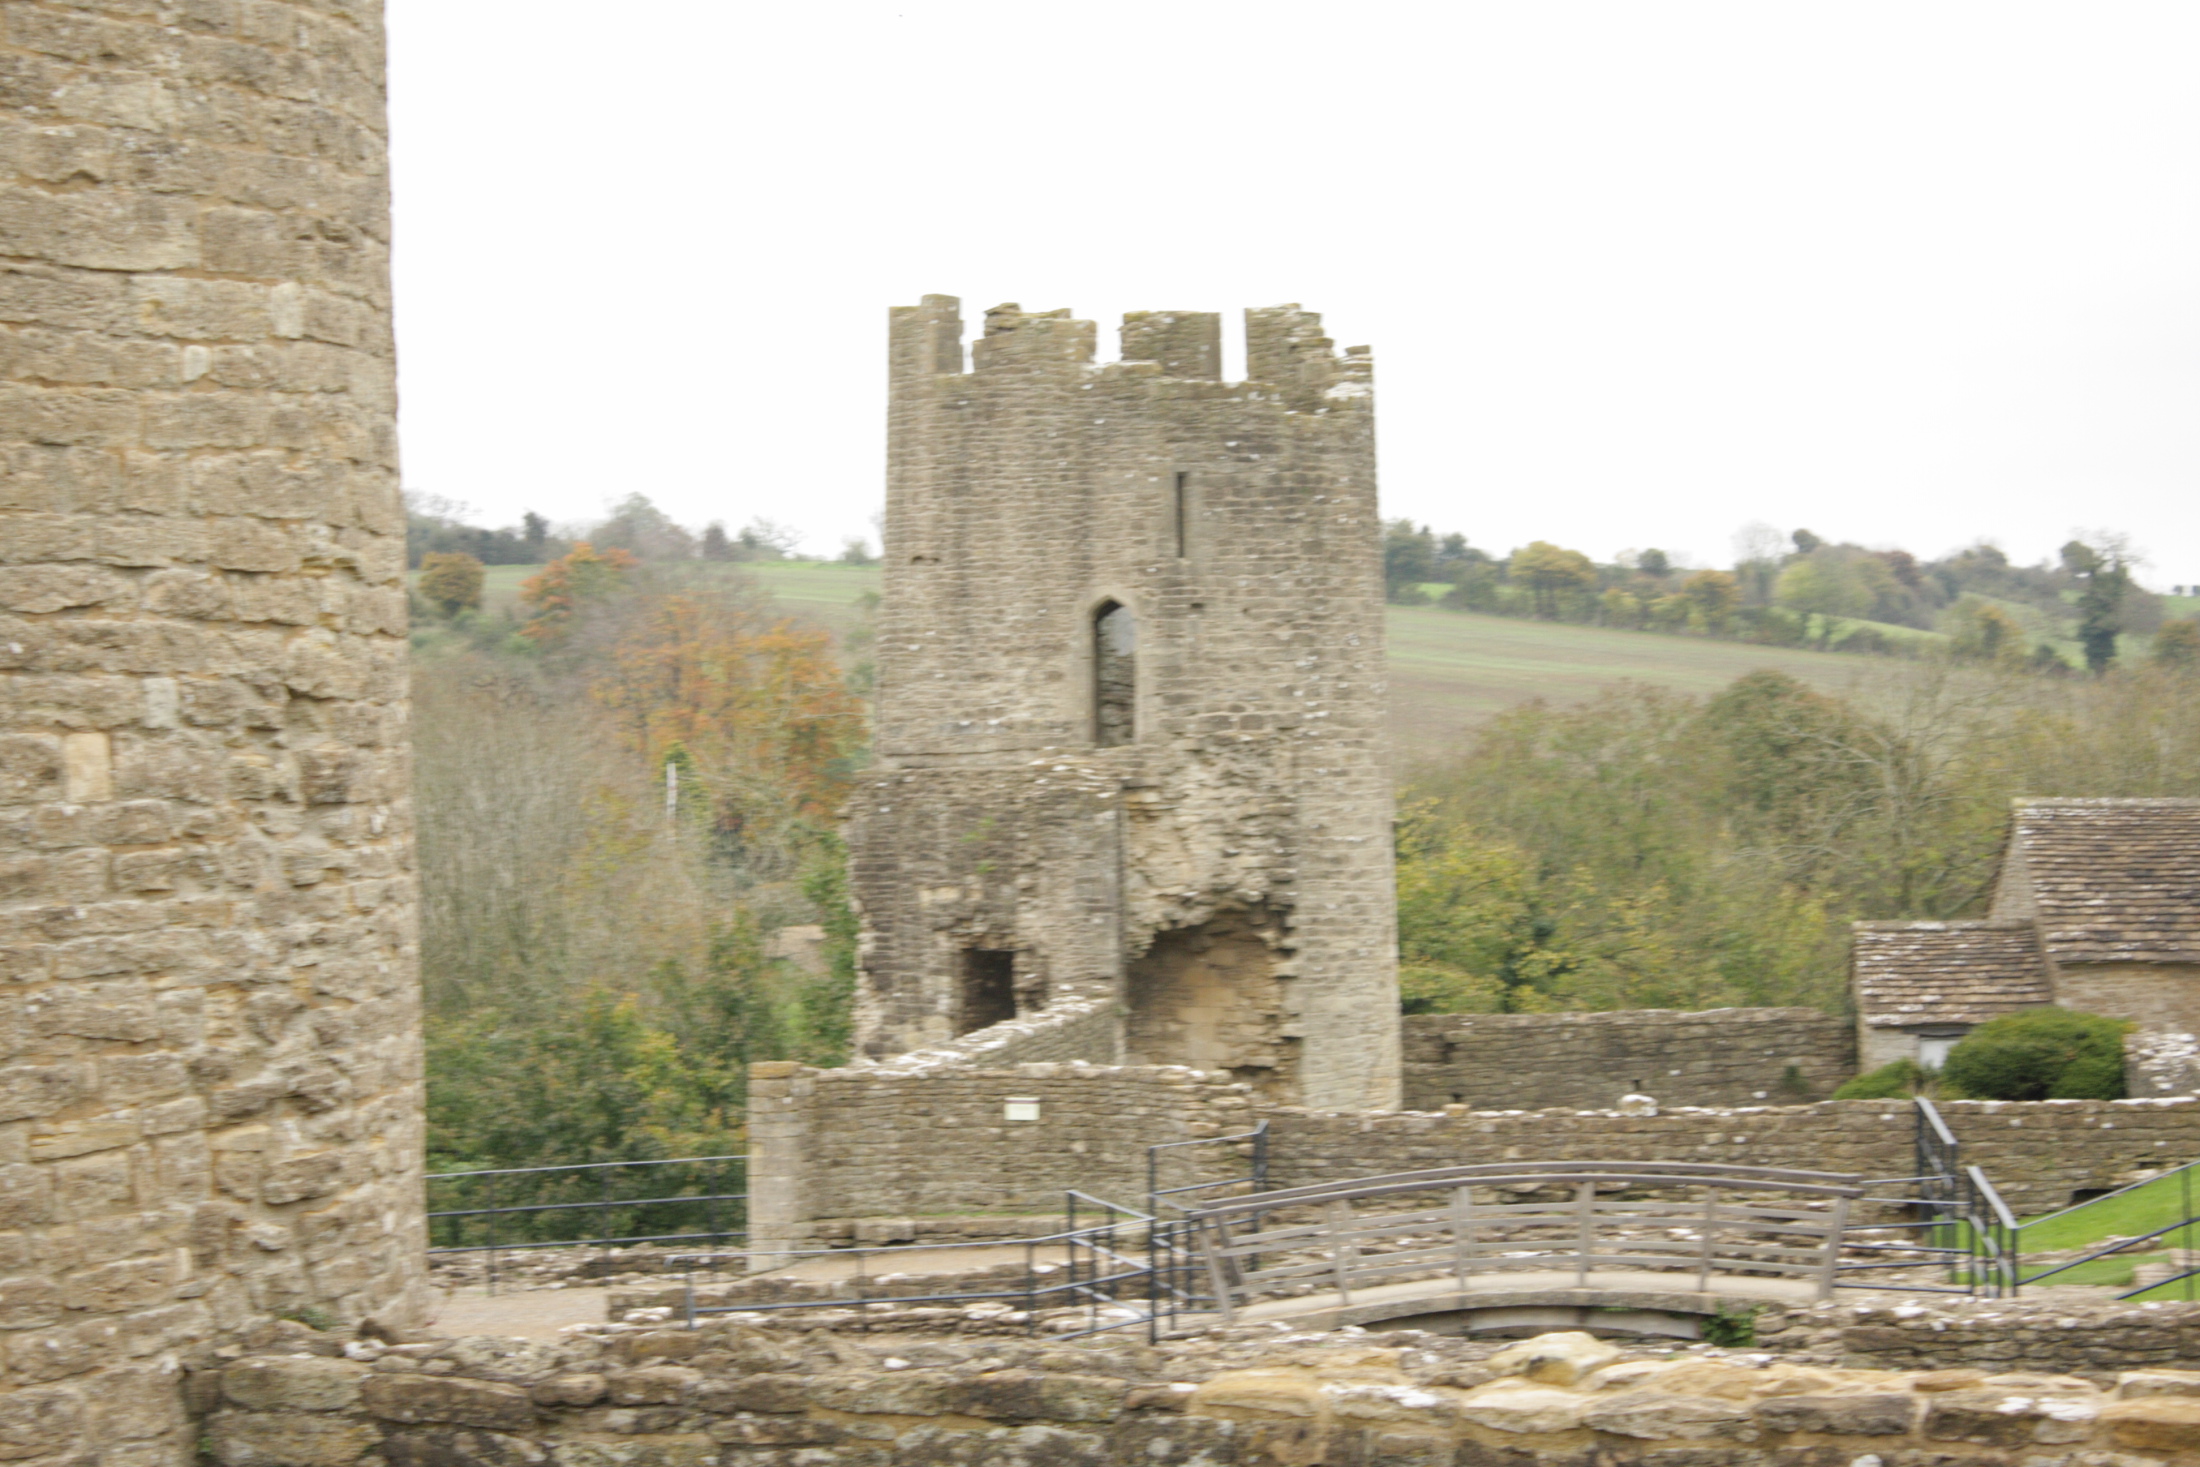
x,y
1208,997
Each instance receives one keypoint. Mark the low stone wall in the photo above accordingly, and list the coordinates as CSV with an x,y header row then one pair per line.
x,y
831,1145
2051,1335
1718,1057
740,1395
2037,1153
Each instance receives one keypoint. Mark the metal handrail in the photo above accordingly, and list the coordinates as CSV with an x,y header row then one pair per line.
x,y
1932,1117
1031,1291
722,1214
1258,1136
1470,1238
2107,1196
2120,1245
579,1166
1762,1179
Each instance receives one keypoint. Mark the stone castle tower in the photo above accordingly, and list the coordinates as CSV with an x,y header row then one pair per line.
x,y
209,1097
1131,718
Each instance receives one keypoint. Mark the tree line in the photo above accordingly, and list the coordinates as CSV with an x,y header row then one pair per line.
x,y
435,526
628,787
1801,590
626,796
1654,850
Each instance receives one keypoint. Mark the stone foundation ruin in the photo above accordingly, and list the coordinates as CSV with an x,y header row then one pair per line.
x,y
1833,1386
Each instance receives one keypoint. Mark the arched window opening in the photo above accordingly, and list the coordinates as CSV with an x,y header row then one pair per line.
x,y
1114,674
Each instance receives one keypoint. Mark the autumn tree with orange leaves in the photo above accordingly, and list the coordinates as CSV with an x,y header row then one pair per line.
x,y
757,705
598,977
566,585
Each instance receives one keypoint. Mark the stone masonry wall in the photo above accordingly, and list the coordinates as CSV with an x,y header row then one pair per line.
x,y
838,1144
1587,1061
209,1064
2036,1153
1238,524
834,1144
735,1395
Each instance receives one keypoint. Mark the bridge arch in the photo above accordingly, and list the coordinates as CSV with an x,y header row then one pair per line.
x,y
1629,1247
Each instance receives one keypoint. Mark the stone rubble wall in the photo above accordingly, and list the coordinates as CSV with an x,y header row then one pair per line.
x,y
1717,1057
210,1103
733,1395
2027,1333
1072,1030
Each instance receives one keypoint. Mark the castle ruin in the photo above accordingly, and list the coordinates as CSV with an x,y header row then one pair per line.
x,y
1130,730
210,1103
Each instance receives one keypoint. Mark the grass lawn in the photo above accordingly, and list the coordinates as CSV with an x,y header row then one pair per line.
x,y
2127,1215
1448,669
2114,1272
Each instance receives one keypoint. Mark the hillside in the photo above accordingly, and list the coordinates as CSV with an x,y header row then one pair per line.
x,y
1448,669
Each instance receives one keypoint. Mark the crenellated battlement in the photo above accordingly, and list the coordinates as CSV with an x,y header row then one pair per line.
x,y
1285,346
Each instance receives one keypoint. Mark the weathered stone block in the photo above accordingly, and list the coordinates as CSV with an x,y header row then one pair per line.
x,y
1878,1415
293,1383
1031,1395
574,1390
654,1385
289,1439
2155,1424
425,1398
40,1420
781,1393
435,1447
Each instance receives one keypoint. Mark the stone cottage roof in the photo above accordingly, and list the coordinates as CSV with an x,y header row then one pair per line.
x,y
2109,880
1916,973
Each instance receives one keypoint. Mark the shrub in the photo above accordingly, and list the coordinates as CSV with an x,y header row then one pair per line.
x,y
2041,1054
451,583
1897,1081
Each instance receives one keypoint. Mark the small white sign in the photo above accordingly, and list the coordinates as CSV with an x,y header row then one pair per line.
x,y
1021,1108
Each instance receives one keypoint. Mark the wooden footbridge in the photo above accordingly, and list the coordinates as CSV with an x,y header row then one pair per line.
x,y
1511,1246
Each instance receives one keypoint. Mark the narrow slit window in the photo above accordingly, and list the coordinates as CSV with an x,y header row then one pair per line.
x,y
988,989
1182,508
1114,675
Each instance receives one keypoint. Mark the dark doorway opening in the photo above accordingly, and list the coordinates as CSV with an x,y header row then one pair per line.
x,y
988,988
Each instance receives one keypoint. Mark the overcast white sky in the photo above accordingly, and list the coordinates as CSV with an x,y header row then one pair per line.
x,y
1635,273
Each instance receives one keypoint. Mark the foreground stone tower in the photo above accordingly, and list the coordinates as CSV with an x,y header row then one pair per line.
x,y
1131,721
209,1099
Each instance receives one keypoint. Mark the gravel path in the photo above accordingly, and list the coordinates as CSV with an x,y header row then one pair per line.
x,y
532,1314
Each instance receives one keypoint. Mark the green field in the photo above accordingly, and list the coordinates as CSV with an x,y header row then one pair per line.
x,y
1448,669
1451,669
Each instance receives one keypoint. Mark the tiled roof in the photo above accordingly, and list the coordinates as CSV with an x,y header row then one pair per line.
x,y
1945,972
2115,880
